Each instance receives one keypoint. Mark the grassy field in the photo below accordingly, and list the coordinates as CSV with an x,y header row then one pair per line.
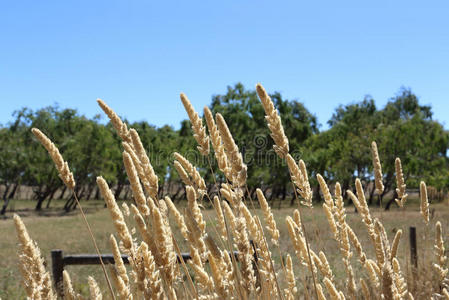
x,y
54,229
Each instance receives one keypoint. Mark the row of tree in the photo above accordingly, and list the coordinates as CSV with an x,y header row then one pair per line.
x,y
403,128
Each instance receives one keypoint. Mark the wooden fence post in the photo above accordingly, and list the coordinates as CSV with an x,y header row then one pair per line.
x,y
413,248
57,267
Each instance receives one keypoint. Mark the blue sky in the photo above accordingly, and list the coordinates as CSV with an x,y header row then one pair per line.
x,y
139,55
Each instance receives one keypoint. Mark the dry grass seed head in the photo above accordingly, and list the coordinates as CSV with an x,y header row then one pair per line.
x,y
298,174
199,131
61,165
116,214
235,159
245,255
274,122
136,187
395,244
69,292
220,218
424,208
196,178
400,190
291,289
217,143
268,217
377,169
94,289
120,127
326,193
148,171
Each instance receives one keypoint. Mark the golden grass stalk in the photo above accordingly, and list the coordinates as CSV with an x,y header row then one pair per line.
x,y
365,290
331,221
291,290
320,292
69,293
377,169
125,209
373,272
274,123
388,286
220,218
251,225
268,217
245,255
395,244
164,244
153,285
270,284
217,143
196,178
441,258
94,289
182,173
148,172
300,246
340,215
192,204
218,278
331,289
400,190
199,131
235,159
341,235
138,269
35,278
424,208
325,267
326,193
233,196
297,219
446,294
400,283
362,208
119,264
217,266
178,217
356,243
298,174
136,187
196,235
120,127
61,165
379,245
146,233
116,214
230,217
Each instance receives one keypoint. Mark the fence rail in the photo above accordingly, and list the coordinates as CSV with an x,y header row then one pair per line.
x,y
59,261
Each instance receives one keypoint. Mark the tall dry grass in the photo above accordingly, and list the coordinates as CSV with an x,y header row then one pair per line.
x,y
214,272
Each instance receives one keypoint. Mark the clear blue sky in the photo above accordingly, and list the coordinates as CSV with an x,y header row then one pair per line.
x,y
139,55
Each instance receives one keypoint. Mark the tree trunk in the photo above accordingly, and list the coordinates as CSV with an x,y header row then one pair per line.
x,y
7,198
14,190
371,195
395,195
118,190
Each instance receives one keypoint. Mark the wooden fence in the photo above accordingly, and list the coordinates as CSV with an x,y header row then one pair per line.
x,y
59,260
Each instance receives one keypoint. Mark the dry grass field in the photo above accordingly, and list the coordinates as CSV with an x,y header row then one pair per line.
x,y
56,230
294,254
